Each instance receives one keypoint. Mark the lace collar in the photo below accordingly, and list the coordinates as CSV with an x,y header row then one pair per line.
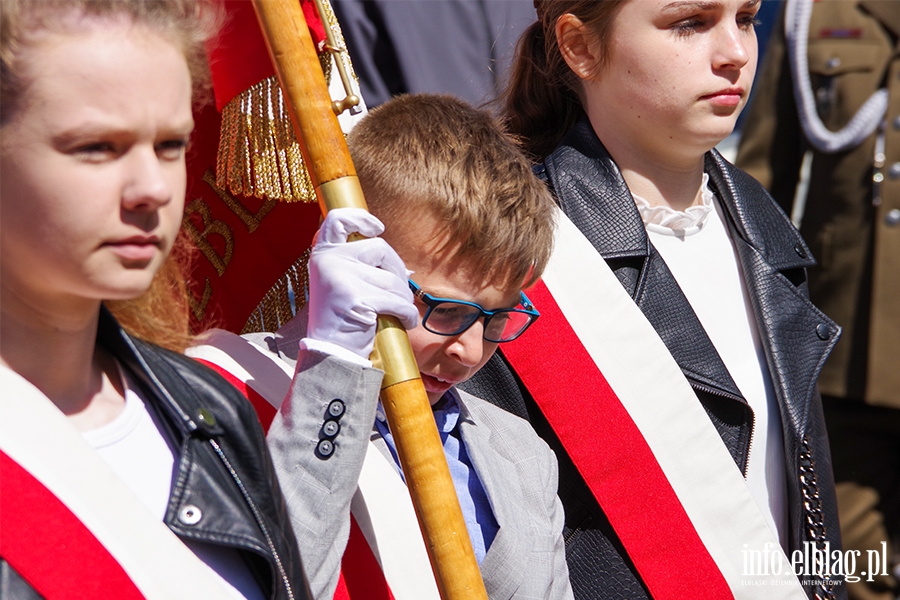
x,y
665,220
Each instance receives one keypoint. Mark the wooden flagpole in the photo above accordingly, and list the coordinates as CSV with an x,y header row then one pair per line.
x,y
403,394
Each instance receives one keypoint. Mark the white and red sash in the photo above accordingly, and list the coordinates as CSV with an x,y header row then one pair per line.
x,y
385,556
69,526
644,445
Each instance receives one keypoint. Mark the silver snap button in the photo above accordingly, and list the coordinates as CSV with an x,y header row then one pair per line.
x,y
331,428
190,514
833,63
894,170
893,217
823,331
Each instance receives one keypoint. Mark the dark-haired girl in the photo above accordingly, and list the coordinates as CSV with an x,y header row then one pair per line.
x,y
622,103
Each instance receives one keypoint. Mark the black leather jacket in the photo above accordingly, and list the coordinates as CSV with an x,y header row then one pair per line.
x,y
796,338
224,468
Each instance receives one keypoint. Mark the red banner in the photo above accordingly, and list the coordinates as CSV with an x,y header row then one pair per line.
x,y
245,244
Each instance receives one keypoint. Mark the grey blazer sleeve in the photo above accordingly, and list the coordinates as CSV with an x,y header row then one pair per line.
x,y
318,486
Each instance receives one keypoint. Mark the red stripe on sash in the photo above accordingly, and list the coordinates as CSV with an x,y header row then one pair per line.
x,y
265,412
361,575
613,457
341,592
49,547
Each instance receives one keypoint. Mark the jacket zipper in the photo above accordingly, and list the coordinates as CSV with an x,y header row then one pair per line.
x,y
721,394
256,515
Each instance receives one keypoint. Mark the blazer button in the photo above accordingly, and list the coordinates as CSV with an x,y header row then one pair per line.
x,y
336,409
189,514
324,449
823,331
331,428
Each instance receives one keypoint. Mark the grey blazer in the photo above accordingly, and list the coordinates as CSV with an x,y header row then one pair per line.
x,y
517,469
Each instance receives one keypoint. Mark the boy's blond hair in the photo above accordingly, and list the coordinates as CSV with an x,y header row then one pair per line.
x,y
437,154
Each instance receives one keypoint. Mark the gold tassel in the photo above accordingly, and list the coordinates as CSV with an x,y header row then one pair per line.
x,y
259,157
258,154
283,299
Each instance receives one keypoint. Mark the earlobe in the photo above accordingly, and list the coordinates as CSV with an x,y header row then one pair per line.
x,y
574,45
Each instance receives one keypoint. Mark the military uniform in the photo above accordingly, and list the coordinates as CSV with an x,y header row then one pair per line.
x,y
852,223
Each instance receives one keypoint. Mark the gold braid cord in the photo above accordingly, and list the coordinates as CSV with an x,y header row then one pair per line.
x,y
259,155
332,23
276,307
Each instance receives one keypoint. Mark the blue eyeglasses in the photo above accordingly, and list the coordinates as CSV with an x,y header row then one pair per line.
x,y
446,316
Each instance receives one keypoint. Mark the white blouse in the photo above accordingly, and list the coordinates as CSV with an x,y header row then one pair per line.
x,y
133,445
698,250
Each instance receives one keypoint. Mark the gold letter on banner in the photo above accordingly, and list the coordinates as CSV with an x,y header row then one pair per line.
x,y
209,226
250,219
198,307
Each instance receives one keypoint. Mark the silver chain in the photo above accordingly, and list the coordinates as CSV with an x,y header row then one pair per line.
x,y
815,518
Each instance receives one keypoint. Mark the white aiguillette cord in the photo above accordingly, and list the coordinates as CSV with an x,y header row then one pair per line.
x,y
866,119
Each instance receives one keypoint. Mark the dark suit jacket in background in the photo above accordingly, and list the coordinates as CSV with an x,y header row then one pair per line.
x,y
459,47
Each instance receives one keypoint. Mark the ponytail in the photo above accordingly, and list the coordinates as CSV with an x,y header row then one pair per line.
x,y
538,105
542,100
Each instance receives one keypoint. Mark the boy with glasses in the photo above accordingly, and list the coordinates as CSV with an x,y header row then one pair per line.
x,y
473,226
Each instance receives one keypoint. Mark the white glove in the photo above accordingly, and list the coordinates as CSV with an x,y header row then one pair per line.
x,y
351,283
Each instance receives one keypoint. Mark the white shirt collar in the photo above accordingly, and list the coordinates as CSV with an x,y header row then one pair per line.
x,y
667,221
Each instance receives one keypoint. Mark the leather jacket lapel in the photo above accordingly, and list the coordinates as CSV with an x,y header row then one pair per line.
x,y
592,193
111,336
796,335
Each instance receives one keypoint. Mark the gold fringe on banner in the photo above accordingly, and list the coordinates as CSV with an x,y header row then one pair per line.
x,y
283,299
258,154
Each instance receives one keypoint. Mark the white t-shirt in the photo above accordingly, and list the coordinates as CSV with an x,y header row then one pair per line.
x,y
141,456
699,252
